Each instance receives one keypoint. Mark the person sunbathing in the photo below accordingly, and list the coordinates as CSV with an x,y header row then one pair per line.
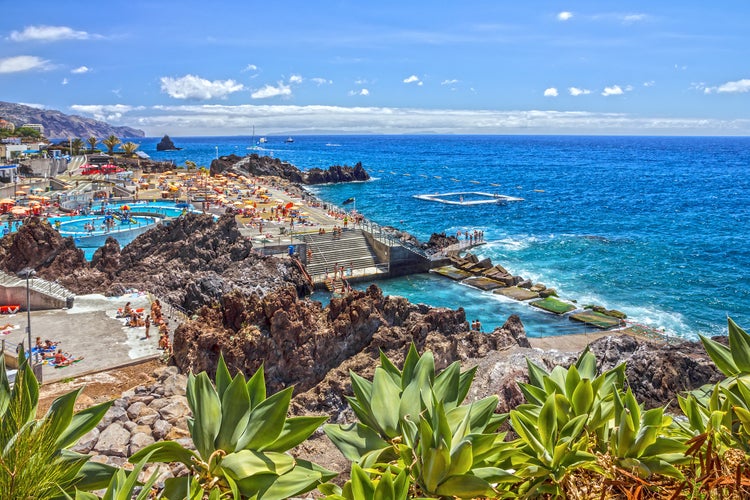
x,y
61,359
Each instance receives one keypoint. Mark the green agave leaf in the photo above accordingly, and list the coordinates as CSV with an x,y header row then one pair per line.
x,y
410,404
721,355
582,397
663,446
390,368
744,417
494,475
410,364
385,489
256,387
179,488
533,394
586,364
363,412
558,376
206,406
296,430
223,377
547,423
361,483
481,413
435,463
445,386
465,486
354,440
572,378
266,421
385,396
362,388
573,428
165,452
235,409
81,423
536,374
739,344
246,463
254,486
464,383
461,459
93,475
528,433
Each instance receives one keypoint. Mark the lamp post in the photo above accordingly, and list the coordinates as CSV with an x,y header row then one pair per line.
x,y
28,273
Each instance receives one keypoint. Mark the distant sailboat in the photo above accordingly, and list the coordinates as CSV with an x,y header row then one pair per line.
x,y
253,146
289,139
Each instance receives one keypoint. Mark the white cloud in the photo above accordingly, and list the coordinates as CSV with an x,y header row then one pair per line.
x,y
575,91
215,119
649,83
49,34
564,16
80,70
633,18
413,79
105,112
361,81
613,90
34,105
449,82
550,92
64,81
364,92
271,91
18,64
195,87
296,79
250,67
321,81
735,87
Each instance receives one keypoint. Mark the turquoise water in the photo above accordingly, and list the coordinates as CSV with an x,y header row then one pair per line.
x,y
653,226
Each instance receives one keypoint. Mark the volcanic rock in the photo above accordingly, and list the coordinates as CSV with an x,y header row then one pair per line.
x,y
266,166
166,144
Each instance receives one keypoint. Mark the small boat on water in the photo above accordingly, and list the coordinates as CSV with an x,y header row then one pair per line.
x,y
262,140
347,201
289,139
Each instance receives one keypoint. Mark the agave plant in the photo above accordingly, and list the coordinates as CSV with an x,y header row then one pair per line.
x,y
388,484
241,439
35,461
640,441
413,419
578,391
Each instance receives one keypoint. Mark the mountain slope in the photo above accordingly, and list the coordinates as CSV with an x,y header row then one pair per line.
x,y
59,125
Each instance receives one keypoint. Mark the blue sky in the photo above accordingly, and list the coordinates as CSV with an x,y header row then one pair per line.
x,y
486,67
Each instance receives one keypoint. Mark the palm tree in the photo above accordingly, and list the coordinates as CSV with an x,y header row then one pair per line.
x,y
129,148
76,144
92,142
111,142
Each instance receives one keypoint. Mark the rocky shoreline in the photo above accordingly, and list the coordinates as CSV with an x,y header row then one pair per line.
x,y
254,309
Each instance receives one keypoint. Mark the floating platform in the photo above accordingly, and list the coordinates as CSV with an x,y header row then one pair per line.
x,y
476,198
553,305
596,319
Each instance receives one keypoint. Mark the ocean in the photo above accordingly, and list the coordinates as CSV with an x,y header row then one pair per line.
x,y
656,227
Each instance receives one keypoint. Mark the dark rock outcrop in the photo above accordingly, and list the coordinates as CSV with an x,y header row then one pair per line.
x,y
166,144
59,125
266,166
312,348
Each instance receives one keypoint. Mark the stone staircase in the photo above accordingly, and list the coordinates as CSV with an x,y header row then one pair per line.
x,y
349,250
49,288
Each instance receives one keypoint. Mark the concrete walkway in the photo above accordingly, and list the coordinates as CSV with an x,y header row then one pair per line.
x,y
89,329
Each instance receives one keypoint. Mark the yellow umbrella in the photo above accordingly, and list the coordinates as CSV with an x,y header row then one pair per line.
x,y
7,201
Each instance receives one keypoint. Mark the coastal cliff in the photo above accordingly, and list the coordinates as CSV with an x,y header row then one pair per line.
x,y
256,165
59,125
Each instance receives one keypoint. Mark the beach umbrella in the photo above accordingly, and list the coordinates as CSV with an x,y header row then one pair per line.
x,y
20,210
125,207
7,201
20,193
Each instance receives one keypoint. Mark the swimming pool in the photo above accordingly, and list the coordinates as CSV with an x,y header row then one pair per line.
x,y
89,231
163,208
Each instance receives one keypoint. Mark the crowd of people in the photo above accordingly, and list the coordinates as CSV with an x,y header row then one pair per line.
x,y
134,318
